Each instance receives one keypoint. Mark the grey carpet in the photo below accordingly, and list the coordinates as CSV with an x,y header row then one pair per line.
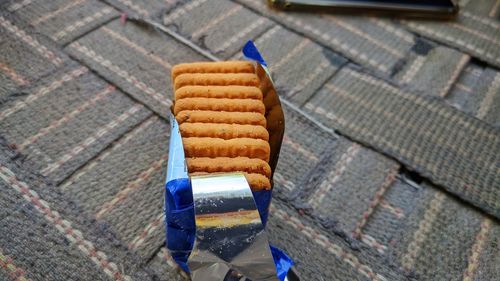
x,y
47,236
438,141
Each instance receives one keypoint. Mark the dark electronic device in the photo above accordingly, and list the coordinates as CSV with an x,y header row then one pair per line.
x,y
404,7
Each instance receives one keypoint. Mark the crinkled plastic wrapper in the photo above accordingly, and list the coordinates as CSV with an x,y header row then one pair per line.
x,y
216,224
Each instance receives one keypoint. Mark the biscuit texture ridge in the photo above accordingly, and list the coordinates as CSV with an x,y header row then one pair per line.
x,y
222,119
228,92
226,164
223,131
213,67
216,79
205,116
231,105
216,147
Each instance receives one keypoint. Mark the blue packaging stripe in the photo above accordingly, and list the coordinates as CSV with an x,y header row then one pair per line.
x,y
179,220
282,261
179,193
263,200
251,52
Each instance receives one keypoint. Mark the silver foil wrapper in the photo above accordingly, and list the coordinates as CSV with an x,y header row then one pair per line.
x,y
230,243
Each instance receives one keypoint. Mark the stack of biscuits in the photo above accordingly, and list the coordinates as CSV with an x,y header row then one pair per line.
x,y
221,115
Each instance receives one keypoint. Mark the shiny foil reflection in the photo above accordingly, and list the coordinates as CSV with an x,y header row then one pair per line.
x,y
230,242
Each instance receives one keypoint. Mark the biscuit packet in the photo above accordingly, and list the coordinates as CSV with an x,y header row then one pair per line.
x,y
215,223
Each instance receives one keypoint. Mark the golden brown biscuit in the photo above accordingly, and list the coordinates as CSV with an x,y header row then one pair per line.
x,y
203,116
216,79
214,147
220,109
258,182
231,105
228,92
213,67
226,164
223,131
255,181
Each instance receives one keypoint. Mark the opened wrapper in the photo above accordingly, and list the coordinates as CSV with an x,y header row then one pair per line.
x,y
215,223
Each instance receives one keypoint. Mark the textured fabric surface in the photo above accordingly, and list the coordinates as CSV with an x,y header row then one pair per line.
x,y
477,93
302,150
431,70
350,36
145,8
47,236
389,168
65,119
436,216
475,30
430,136
135,58
130,200
350,166
223,28
25,57
319,63
319,255
63,21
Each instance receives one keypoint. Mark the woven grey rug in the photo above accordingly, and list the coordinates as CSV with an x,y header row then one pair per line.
x,y
390,165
